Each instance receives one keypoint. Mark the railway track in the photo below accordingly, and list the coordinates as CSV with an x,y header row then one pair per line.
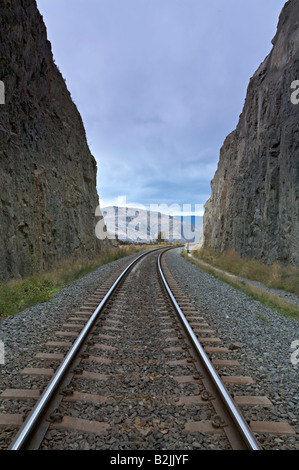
x,y
131,370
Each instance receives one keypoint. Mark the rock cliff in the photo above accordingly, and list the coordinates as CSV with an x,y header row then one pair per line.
x,y
48,191
254,204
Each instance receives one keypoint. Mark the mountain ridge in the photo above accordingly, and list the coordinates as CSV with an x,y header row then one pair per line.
x,y
134,224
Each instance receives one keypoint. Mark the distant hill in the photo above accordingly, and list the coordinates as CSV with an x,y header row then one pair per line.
x,y
133,224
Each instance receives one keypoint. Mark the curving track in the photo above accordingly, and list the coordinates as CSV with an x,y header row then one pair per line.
x,y
131,371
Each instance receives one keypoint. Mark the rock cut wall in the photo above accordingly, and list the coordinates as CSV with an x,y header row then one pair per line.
x,y
254,204
48,191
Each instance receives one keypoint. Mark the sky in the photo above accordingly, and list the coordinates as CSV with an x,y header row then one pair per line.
x,y
159,85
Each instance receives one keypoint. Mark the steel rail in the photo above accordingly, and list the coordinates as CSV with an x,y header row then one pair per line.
x,y
238,419
30,424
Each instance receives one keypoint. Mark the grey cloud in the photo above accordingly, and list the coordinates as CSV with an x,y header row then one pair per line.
x,y
159,85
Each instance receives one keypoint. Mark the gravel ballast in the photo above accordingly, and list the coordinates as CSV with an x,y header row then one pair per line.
x,y
24,334
263,338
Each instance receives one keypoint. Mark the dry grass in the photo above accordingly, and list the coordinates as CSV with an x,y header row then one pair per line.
x,y
16,295
276,276
274,302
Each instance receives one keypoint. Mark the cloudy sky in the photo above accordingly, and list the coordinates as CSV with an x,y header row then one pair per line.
x,y
159,85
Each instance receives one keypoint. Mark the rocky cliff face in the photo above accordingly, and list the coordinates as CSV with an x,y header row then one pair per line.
x,y
254,204
48,191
